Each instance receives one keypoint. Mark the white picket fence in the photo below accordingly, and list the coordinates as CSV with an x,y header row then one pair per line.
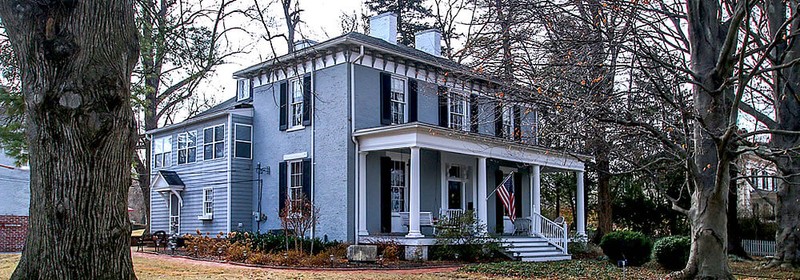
x,y
759,247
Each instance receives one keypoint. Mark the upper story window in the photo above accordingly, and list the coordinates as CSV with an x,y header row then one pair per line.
x,y
187,147
214,142
162,151
244,141
398,101
296,104
508,121
458,112
243,87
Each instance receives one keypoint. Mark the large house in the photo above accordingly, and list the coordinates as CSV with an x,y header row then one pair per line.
x,y
14,204
757,196
383,138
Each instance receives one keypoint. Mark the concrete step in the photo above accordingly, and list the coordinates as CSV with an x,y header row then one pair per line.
x,y
524,244
546,259
531,249
539,253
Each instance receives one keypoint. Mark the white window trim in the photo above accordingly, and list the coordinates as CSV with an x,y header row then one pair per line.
x,y
179,149
508,111
243,89
207,215
404,158
405,97
289,186
291,104
163,153
236,142
465,117
300,155
213,142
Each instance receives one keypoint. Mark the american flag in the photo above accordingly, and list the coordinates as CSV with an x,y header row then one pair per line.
x,y
505,191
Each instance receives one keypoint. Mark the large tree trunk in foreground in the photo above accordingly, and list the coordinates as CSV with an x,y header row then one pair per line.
x,y
786,86
75,60
710,167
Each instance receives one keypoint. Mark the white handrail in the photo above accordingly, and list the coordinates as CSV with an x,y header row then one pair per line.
x,y
554,233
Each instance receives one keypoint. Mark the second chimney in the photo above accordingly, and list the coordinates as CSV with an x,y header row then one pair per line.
x,y
429,41
384,26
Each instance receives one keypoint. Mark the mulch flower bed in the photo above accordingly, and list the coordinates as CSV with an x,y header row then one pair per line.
x,y
335,264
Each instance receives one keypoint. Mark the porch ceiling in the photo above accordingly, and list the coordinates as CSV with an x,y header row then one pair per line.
x,y
437,138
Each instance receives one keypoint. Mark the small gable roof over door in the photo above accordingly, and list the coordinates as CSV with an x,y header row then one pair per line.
x,y
168,181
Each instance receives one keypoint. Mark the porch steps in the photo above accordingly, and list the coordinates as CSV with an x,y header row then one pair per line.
x,y
532,249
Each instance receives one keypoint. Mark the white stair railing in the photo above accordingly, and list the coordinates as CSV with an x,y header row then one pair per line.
x,y
554,233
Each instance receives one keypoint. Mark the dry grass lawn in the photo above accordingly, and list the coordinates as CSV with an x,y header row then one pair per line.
x,y
159,267
150,266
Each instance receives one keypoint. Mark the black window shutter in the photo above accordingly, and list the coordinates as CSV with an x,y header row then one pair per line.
x,y
386,194
282,187
307,178
517,123
283,105
498,119
443,118
307,100
473,113
499,210
412,100
386,99
518,194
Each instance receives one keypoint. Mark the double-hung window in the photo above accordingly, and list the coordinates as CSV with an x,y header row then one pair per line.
x,y
296,104
208,202
214,142
458,113
243,89
296,195
244,141
397,175
398,100
162,151
187,147
508,121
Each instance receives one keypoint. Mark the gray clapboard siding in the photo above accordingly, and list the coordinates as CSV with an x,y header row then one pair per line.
x,y
196,176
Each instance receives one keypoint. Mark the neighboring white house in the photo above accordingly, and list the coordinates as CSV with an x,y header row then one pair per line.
x,y
757,195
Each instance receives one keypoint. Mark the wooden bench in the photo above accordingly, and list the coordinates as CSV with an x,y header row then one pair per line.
x,y
425,219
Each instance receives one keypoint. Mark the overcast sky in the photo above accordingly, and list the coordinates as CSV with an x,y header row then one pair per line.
x,y
321,22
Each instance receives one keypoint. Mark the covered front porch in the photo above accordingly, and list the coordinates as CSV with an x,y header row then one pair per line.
x,y
412,175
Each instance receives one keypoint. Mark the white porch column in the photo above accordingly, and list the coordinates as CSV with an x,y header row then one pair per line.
x,y
581,226
362,193
413,195
536,205
481,199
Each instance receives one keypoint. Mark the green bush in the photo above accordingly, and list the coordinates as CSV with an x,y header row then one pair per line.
x,y
633,246
459,238
672,252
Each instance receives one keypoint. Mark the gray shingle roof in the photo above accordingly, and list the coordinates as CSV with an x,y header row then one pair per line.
x,y
171,177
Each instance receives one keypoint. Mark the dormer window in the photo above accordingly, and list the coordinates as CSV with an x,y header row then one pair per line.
x,y
243,88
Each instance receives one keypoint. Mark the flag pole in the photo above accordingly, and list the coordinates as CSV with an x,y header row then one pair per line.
x,y
501,183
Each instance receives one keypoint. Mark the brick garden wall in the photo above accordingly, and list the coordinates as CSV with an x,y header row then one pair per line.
x,y
12,232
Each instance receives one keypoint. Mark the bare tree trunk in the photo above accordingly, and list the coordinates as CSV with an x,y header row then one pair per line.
x,y
710,167
75,61
734,231
604,211
786,85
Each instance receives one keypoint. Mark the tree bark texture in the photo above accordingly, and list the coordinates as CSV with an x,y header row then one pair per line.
x,y
786,85
75,60
710,165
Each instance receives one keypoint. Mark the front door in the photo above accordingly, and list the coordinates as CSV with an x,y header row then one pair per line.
x,y
174,214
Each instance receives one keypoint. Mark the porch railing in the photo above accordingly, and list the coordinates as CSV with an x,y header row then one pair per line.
x,y
554,233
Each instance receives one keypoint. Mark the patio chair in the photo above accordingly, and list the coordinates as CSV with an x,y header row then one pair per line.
x,y
522,226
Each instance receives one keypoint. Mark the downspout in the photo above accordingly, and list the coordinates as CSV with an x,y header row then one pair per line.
x,y
313,148
353,137
229,139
